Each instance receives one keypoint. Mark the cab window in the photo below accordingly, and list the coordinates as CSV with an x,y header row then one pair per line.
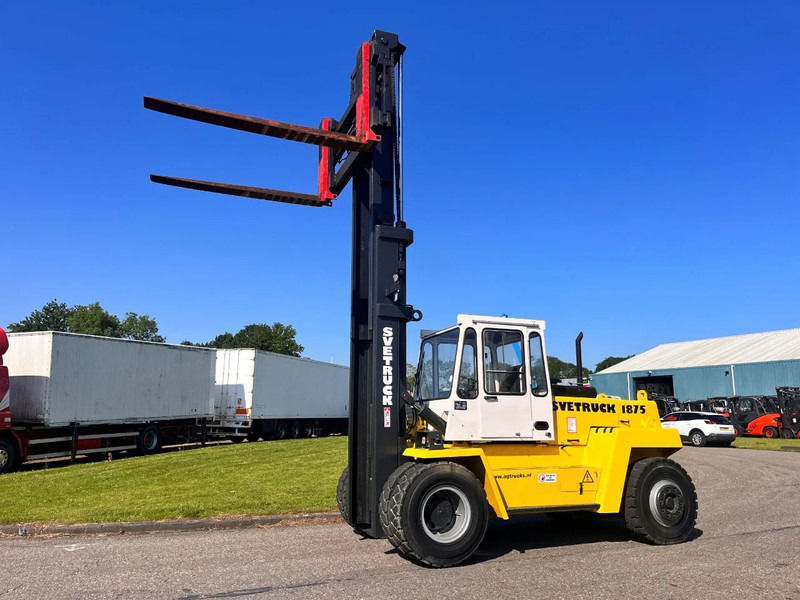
x,y
468,371
503,362
437,366
538,372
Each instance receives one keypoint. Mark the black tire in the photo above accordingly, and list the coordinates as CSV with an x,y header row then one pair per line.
x,y
149,440
308,429
236,439
343,500
660,502
385,503
437,514
253,436
343,495
737,431
295,430
697,438
771,433
9,457
787,434
281,430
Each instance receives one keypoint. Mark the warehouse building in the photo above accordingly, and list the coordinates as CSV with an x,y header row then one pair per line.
x,y
745,365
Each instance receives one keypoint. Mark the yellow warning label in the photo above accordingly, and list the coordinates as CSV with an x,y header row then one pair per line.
x,y
587,478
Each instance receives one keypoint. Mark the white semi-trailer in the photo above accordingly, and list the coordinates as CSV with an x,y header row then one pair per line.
x,y
274,396
78,394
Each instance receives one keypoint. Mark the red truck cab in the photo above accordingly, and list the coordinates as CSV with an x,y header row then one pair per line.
x,y
9,444
5,398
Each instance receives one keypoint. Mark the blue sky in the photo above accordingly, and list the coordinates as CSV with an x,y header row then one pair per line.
x,y
629,169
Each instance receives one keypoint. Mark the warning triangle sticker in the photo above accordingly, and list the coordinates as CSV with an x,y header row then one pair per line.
x,y
587,478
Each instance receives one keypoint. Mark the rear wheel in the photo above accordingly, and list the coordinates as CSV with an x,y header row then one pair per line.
x,y
280,430
437,514
253,436
308,429
771,433
660,502
149,440
697,438
787,434
236,439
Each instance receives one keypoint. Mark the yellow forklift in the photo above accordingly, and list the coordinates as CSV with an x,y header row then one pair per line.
x,y
485,433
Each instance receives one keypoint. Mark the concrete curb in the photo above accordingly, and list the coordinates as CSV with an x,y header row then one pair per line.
x,y
56,529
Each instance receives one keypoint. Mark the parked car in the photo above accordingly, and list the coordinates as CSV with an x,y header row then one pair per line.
x,y
700,428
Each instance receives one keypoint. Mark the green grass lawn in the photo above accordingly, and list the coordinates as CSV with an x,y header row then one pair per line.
x,y
759,443
266,478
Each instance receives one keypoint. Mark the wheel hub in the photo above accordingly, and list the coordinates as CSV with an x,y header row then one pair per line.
x,y
442,513
667,503
3,458
445,514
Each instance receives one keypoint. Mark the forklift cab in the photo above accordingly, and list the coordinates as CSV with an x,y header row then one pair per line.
x,y
487,377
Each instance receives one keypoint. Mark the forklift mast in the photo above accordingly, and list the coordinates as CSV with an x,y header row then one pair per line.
x,y
364,147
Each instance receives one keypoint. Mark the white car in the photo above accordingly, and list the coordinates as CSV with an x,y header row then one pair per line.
x,y
700,428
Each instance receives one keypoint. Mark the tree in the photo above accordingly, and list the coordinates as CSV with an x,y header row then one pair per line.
x,y
52,317
89,319
143,328
277,338
92,319
610,361
411,377
564,370
222,341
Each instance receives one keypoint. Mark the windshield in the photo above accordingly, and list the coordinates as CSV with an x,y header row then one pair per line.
x,y
437,363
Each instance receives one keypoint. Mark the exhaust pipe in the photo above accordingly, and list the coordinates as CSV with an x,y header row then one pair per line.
x,y
579,358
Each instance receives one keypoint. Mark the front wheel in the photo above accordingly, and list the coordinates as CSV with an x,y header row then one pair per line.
x,y
660,502
436,513
343,500
8,457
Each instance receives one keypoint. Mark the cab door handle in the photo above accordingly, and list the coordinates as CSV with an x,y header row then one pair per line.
x,y
490,398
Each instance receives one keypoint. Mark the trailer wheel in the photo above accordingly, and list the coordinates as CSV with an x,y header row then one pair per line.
x,y
771,433
8,457
149,440
437,514
280,430
295,430
697,438
660,502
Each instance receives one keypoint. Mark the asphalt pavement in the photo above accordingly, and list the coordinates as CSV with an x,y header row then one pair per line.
x,y
746,545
